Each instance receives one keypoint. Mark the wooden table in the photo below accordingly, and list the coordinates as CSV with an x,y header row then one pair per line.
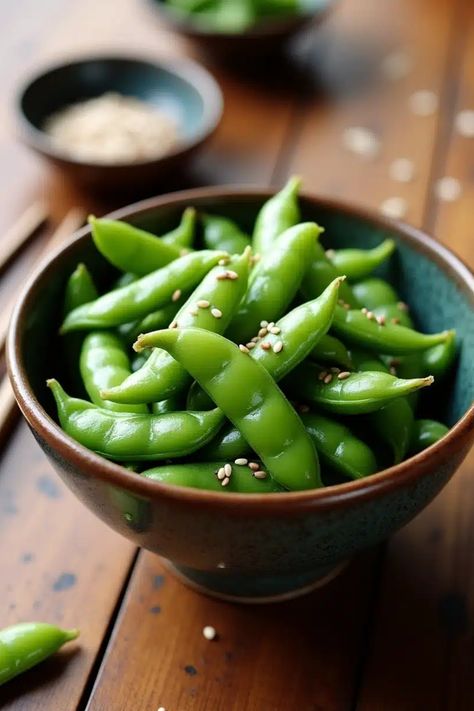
x,y
395,630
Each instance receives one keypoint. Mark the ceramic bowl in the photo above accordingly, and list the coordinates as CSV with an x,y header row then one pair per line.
x,y
254,547
265,38
179,87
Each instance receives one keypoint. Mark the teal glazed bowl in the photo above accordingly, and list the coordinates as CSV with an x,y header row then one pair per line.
x,y
254,547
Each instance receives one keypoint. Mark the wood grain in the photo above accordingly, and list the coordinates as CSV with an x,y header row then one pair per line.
x,y
22,230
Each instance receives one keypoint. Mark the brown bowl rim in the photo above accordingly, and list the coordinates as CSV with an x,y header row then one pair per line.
x,y
385,481
189,70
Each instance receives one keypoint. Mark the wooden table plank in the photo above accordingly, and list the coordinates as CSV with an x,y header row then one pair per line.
x,y
422,649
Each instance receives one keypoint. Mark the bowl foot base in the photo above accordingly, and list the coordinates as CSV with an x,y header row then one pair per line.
x,y
223,585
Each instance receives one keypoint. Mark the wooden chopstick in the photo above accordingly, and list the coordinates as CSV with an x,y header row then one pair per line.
x,y
8,410
33,217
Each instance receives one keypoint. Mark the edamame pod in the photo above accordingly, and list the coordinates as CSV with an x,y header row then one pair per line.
x,y
374,292
25,645
147,294
320,272
394,313
332,351
203,475
249,397
359,263
183,234
134,437
222,233
425,433
80,289
278,214
210,306
154,321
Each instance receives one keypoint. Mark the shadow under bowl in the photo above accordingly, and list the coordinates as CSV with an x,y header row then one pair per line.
x,y
268,37
180,88
254,547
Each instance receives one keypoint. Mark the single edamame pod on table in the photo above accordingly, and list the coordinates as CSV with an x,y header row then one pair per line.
x,y
183,235
210,306
357,327
104,363
123,436
278,214
355,394
373,292
129,248
357,264
222,233
332,351
274,281
147,294
319,273
425,433
339,447
203,475
25,645
250,399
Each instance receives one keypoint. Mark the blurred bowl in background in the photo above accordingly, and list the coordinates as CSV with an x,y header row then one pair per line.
x,y
266,37
181,89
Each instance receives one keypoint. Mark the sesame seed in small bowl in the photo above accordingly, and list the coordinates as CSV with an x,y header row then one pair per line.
x,y
113,123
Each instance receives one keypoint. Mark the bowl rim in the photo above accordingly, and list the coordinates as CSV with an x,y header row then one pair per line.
x,y
272,27
331,497
188,70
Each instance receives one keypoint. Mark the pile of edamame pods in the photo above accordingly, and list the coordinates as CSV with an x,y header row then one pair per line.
x,y
246,364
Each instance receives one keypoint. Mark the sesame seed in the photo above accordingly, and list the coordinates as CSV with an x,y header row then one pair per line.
x,y
330,253
173,324
203,303
193,312
335,370
270,325
365,311
464,123
278,347
176,295
402,306
217,313
209,632
361,141
221,276
380,320
394,207
328,379
221,474
396,321
243,348
322,374
448,189
423,102
260,474
228,469
275,330
254,339
396,65
225,482
241,462
254,466
232,275
250,345
223,262
402,170
263,332
369,315
263,324
342,376
265,345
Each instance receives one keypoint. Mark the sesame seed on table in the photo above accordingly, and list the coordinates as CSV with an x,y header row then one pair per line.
x,y
393,130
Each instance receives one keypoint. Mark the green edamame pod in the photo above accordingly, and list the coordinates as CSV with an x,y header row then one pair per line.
x,y
278,214
104,363
425,433
357,264
439,359
210,306
274,281
365,360
356,328
122,436
222,233
339,447
161,318
374,292
183,235
228,444
25,645
394,313
79,289
204,476
356,394
320,272
147,294
124,280
129,248
249,397
332,351
172,404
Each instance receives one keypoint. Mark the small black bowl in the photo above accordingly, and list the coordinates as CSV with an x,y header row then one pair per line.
x,y
267,37
180,87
